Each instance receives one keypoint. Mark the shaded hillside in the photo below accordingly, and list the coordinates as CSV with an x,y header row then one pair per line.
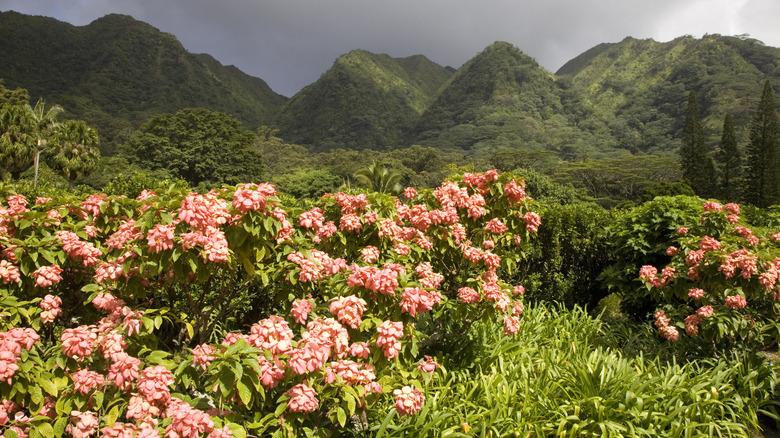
x,y
116,72
640,86
364,101
502,100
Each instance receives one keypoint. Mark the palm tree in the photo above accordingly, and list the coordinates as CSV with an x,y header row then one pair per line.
x,y
45,121
379,178
17,140
73,151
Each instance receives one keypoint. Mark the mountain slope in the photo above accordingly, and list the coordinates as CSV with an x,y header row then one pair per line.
x,y
364,101
641,86
503,100
116,72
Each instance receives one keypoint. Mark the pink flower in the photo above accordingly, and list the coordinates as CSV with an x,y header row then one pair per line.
x,y
672,250
273,334
350,222
705,311
142,410
735,302
186,421
369,254
203,355
271,373
682,230
118,430
153,384
51,308
709,244
302,399
78,343
46,276
428,365
532,221
350,372
124,371
85,381
410,192
300,310
8,272
8,366
408,400
348,310
712,206
360,349
83,424
389,334
160,238
647,272
468,295
696,293
515,192
415,300
495,226
511,325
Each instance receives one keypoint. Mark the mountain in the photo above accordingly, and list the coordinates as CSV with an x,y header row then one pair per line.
x,y
364,101
116,72
503,100
640,86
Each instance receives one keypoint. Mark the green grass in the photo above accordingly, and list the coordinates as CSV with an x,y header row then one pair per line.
x,y
567,374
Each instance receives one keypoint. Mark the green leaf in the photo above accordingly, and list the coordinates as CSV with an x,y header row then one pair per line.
x,y
46,430
244,392
48,386
342,416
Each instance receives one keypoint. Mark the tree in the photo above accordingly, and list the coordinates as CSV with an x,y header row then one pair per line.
x,y
17,140
379,178
45,120
200,146
762,185
696,164
18,96
73,150
729,162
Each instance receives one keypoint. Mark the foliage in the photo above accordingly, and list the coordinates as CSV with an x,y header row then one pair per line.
x,y
572,251
720,285
565,380
148,295
17,140
640,236
117,72
762,176
73,151
697,167
199,146
729,160
379,178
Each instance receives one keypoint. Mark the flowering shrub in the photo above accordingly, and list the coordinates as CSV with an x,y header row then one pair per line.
x,y
721,285
111,306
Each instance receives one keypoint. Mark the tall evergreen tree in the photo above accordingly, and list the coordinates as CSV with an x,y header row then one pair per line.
x,y
762,176
729,162
696,164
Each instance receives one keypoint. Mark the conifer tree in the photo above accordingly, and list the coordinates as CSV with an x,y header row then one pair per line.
x,y
697,166
762,185
729,163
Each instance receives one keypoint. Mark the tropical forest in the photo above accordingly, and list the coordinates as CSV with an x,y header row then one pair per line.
x,y
400,249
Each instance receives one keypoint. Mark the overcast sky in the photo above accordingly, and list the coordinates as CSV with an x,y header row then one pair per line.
x,y
290,43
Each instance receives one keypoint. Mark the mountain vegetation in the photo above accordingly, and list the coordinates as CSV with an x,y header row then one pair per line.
x,y
117,72
611,125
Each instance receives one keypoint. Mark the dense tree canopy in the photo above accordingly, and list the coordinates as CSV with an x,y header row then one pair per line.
x,y
200,146
763,175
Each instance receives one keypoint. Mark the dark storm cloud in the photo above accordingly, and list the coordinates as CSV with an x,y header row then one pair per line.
x,y
290,43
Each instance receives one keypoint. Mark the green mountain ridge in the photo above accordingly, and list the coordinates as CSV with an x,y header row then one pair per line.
x,y
612,100
364,101
117,72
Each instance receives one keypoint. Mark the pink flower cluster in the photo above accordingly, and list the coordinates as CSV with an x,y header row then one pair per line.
x,y
253,197
532,221
348,310
666,330
79,250
350,372
390,332
51,308
46,276
408,400
303,398
415,300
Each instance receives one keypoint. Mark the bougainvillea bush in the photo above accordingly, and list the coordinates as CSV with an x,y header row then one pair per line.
x,y
721,286
239,312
